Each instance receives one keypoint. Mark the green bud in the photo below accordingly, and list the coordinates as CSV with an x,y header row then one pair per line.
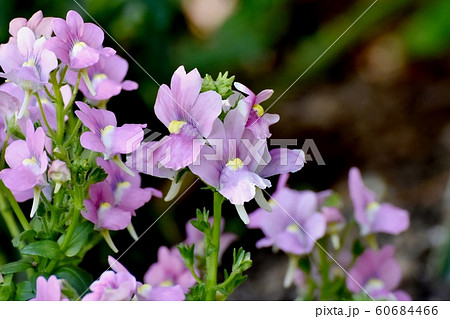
x,y
222,85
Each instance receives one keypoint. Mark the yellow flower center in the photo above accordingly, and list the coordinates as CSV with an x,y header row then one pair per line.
x,y
105,205
235,164
30,161
78,47
98,77
30,62
258,109
123,185
106,130
293,228
167,283
175,126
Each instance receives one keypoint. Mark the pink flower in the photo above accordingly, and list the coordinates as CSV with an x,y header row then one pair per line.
x,y
378,273
114,285
257,120
104,135
371,216
77,44
48,290
41,27
169,271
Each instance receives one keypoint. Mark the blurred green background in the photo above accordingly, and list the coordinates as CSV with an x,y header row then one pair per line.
x,y
378,99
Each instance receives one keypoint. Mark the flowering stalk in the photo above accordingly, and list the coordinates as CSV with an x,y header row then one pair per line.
x,y
212,260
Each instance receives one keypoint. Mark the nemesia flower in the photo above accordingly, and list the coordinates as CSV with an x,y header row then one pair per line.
x,y
378,273
257,120
104,135
9,105
28,162
196,237
145,292
77,44
41,27
48,290
294,224
101,209
169,271
107,78
239,165
371,216
189,116
27,63
114,285
59,173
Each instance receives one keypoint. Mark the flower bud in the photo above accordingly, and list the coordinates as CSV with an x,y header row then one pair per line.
x,y
59,173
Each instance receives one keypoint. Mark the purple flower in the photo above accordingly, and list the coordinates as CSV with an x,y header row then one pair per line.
x,y
371,216
294,224
240,163
145,292
128,194
48,290
41,27
104,135
101,208
107,78
169,271
27,63
77,44
114,285
28,162
189,116
194,236
378,273
257,120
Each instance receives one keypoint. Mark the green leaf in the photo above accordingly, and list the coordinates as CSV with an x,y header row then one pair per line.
x,y
16,266
358,248
79,238
6,288
197,293
334,200
26,235
43,248
222,85
187,253
305,264
202,223
24,291
78,278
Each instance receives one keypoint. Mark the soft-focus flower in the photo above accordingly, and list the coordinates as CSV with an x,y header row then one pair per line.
x,y
189,116
59,173
114,285
107,78
41,27
257,120
196,237
240,163
294,224
27,63
378,273
9,105
169,271
104,135
77,44
48,290
146,292
28,162
101,208
371,216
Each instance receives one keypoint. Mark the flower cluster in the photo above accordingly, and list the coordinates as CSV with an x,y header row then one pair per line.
x,y
301,220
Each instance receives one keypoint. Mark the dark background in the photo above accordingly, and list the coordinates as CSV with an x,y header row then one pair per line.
x,y
378,99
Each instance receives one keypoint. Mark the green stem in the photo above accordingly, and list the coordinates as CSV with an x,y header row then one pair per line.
x,y
63,75
74,94
43,115
8,217
5,145
324,268
213,259
59,104
15,206
74,133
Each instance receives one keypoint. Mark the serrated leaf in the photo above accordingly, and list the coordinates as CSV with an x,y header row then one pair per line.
x,y
26,235
78,278
6,288
16,266
43,248
197,293
187,254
